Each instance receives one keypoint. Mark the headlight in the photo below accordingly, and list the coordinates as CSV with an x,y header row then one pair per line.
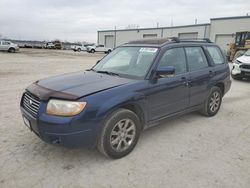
x,y
64,108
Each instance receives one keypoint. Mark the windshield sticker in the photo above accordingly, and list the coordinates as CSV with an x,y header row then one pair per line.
x,y
150,50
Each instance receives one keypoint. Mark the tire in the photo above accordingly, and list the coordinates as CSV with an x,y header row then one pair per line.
x,y
213,102
79,49
12,50
123,128
92,51
108,51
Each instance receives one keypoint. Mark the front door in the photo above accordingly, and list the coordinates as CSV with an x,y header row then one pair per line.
x,y
170,94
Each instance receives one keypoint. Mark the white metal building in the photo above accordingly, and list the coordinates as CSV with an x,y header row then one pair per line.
x,y
219,30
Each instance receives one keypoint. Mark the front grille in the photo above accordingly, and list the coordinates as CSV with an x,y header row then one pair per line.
x,y
245,66
31,104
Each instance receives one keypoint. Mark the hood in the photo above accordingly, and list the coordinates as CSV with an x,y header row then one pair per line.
x,y
244,59
75,85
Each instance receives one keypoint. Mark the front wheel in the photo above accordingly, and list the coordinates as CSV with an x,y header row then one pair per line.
x,y
213,102
12,50
120,134
92,51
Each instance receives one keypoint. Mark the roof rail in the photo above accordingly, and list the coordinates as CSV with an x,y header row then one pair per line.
x,y
196,40
175,39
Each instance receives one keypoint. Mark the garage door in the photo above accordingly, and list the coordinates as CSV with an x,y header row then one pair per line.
x,y
223,41
193,35
109,41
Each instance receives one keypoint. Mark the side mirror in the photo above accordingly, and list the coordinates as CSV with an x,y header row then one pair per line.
x,y
165,71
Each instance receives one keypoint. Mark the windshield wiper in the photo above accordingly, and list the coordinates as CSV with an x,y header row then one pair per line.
x,y
108,72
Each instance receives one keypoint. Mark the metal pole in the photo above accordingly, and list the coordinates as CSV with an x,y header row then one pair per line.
x,y
115,38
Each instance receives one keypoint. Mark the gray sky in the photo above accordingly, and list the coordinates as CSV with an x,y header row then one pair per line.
x,y
79,20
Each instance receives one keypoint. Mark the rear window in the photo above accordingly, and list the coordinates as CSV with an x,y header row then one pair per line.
x,y
216,55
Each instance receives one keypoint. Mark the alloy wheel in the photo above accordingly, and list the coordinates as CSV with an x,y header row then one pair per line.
x,y
214,102
122,135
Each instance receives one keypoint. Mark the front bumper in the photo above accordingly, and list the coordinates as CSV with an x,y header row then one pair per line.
x,y
237,70
64,131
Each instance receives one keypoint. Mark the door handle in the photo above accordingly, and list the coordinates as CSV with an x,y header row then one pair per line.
x,y
185,81
211,73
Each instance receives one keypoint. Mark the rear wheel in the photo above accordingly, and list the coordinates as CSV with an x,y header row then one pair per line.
x,y
92,51
120,134
79,49
109,51
213,102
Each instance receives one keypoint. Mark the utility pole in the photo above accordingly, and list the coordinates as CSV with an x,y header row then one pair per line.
x,y
115,38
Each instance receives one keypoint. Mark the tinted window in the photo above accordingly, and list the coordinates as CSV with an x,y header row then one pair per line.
x,y
216,55
174,57
196,58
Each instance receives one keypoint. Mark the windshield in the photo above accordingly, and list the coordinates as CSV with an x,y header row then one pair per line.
x,y
247,53
128,61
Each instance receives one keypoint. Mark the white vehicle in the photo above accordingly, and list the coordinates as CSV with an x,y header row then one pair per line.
x,y
49,45
8,46
241,66
98,48
79,47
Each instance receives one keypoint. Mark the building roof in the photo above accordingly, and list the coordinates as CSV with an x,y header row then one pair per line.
x,y
180,26
152,28
230,18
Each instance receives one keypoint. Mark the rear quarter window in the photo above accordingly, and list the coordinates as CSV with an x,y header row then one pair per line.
x,y
215,54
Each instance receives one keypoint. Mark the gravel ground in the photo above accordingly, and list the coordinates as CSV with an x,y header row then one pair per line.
x,y
189,151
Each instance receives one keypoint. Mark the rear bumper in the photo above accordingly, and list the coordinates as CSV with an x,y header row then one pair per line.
x,y
64,132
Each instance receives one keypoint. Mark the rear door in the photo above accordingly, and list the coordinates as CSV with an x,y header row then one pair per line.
x,y
200,74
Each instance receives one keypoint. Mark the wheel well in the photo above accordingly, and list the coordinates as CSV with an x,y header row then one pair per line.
x,y
137,110
221,86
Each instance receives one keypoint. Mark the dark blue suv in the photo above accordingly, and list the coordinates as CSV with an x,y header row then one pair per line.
x,y
134,87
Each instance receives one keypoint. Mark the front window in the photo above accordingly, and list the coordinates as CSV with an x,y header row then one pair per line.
x,y
132,62
174,57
